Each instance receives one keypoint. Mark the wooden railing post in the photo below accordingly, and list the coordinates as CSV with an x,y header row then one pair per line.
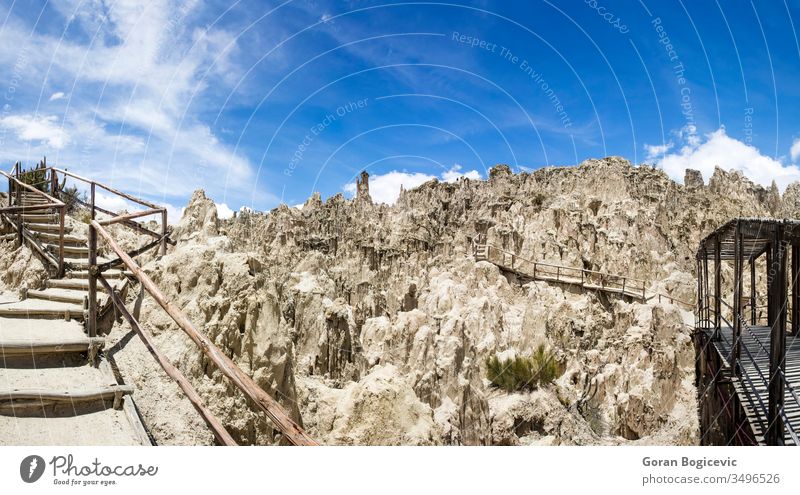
x,y
738,277
53,183
280,418
61,214
222,435
92,317
717,287
19,214
777,341
164,232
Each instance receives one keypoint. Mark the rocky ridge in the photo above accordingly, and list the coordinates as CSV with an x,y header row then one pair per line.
x,y
372,323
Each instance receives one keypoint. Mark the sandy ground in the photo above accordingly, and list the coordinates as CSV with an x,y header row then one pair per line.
x,y
166,412
103,427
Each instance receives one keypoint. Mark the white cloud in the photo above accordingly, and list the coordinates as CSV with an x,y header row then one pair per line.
x,y
795,150
223,211
57,96
656,150
455,173
39,129
112,202
719,149
385,188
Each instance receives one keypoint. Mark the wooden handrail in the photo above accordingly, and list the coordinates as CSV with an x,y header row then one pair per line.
x,y
108,188
222,435
125,219
131,216
280,418
53,202
32,189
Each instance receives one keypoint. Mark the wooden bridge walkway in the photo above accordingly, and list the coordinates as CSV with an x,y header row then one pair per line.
x,y
590,280
751,384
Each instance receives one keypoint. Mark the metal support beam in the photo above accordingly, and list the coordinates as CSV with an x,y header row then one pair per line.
x,y
717,288
777,358
753,298
738,275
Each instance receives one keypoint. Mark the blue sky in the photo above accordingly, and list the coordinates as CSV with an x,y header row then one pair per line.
x,y
260,103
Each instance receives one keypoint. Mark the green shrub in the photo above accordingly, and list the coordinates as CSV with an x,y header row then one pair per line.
x,y
71,197
523,373
36,177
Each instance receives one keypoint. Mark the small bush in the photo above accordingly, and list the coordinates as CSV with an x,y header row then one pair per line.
x,y
71,197
36,177
523,373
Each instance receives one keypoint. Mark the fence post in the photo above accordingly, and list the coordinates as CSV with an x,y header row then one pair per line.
x,y
19,213
164,232
61,214
92,316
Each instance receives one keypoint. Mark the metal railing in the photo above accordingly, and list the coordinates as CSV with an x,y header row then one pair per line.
x,y
735,361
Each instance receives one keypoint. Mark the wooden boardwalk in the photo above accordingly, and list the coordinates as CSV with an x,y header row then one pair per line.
x,y
751,384
590,280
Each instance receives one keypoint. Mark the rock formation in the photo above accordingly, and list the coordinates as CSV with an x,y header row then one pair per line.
x,y
372,323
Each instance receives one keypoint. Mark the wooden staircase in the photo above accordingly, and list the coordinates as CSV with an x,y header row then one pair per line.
x,y
56,385
57,379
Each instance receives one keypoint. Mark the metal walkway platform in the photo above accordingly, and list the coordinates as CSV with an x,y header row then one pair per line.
x,y
752,383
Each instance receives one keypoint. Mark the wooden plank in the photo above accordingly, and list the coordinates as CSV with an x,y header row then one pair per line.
x,y
27,347
97,393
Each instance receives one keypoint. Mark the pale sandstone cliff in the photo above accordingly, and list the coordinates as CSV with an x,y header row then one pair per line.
x,y
372,323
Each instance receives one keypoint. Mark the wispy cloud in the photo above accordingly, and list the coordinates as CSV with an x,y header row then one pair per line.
x,y
139,70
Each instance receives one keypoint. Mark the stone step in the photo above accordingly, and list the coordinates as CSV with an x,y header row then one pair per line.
x,y
53,238
79,283
73,426
30,348
82,263
69,250
36,309
63,295
109,274
40,218
14,400
46,227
